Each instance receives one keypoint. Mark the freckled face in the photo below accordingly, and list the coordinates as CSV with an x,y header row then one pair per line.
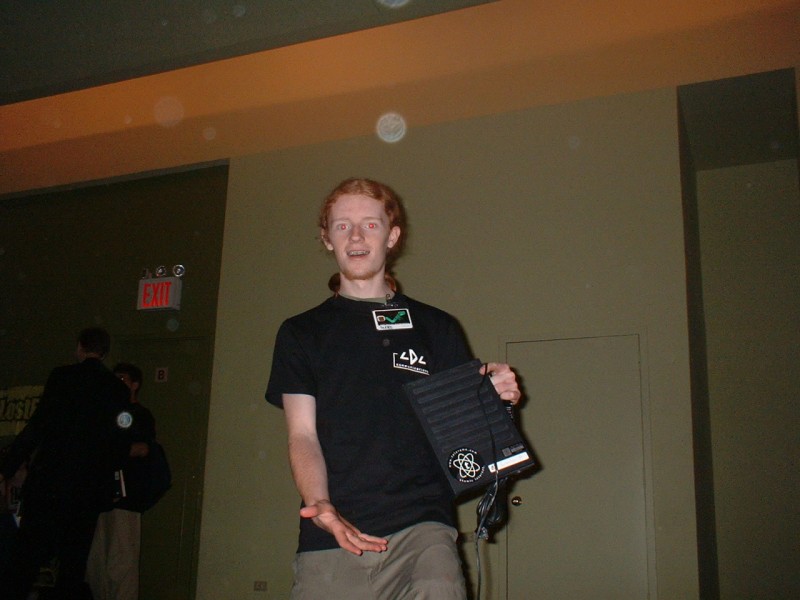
x,y
359,235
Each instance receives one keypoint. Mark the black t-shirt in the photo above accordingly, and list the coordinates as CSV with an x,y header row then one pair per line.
x,y
354,357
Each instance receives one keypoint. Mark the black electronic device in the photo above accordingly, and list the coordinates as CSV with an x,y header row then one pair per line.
x,y
472,434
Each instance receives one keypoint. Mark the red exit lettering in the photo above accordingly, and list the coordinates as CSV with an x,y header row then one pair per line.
x,y
156,295
159,293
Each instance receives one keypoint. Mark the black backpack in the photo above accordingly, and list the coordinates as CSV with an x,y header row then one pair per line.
x,y
147,479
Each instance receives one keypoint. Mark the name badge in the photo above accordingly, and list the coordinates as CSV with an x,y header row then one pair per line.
x,y
392,318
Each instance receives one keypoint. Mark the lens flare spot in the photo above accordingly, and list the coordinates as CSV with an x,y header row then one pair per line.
x,y
168,111
393,3
391,127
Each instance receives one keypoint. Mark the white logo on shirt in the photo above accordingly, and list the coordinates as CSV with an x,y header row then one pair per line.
x,y
409,360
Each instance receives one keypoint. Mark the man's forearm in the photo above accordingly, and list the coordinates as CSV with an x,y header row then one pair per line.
x,y
308,469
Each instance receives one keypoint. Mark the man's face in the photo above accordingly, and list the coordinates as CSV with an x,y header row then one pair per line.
x,y
126,379
359,235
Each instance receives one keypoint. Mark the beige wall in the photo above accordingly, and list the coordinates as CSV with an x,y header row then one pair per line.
x,y
557,220
749,221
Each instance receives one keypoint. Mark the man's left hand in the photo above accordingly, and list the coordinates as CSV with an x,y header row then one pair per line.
x,y
504,380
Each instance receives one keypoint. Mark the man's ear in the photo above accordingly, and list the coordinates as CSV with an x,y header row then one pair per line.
x,y
394,235
323,235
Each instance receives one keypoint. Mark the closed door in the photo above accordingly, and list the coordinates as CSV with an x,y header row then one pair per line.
x,y
176,389
579,528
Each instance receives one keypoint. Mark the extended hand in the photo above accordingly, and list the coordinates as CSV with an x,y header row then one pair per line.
x,y
347,535
504,381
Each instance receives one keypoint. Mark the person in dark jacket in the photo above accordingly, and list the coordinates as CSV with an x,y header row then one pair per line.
x,y
113,568
77,437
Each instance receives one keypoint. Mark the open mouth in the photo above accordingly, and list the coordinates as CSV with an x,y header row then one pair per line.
x,y
358,253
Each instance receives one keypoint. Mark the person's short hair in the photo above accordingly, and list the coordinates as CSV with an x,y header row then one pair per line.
x,y
133,372
95,340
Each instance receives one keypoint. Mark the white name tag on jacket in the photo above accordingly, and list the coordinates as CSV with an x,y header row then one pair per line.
x,y
392,318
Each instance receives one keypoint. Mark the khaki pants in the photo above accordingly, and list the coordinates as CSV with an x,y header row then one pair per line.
x,y
422,563
113,568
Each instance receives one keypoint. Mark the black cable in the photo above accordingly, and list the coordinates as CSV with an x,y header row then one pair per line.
x,y
482,532
490,495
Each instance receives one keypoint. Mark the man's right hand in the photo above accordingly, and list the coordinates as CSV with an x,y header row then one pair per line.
x,y
326,517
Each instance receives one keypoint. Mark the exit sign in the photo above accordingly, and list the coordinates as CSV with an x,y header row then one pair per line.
x,y
159,293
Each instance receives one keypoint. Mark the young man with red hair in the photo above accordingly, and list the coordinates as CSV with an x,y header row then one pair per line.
x,y
377,517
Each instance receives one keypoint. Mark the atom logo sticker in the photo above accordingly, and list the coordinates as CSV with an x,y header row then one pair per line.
x,y
466,465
